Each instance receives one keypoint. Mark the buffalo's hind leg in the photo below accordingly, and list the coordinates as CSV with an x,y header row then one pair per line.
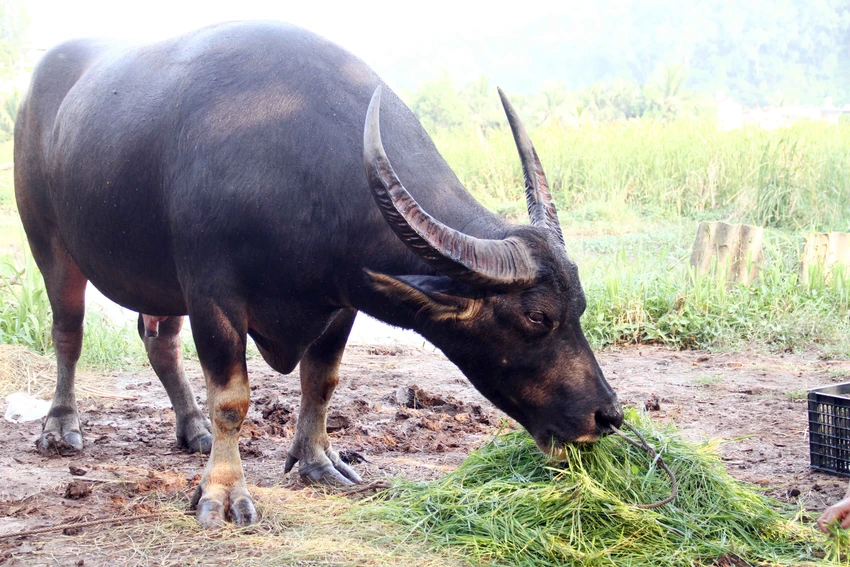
x,y
165,353
66,290
311,448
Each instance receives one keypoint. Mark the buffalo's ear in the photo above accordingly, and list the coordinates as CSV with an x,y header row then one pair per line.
x,y
438,297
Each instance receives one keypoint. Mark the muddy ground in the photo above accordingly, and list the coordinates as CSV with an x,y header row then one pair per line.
x,y
753,401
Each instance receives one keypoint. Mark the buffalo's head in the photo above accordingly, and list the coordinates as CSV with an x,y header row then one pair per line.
x,y
507,310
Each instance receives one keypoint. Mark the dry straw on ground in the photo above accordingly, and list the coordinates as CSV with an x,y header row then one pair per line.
x,y
22,370
298,527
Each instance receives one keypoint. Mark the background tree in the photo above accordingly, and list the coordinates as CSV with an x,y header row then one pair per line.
x,y
758,52
437,105
14,22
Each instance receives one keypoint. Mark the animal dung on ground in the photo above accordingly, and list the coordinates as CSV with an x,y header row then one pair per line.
x,y
77,470
406,396
652,403
338,421
77,489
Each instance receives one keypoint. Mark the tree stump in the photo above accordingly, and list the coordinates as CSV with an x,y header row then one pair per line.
x,y
822,252
730,251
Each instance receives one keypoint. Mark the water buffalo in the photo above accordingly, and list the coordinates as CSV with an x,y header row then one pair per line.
x,y
220,175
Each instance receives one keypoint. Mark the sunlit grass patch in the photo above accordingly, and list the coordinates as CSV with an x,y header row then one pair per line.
x,y
25,316
111,345
298,527
640,288
791,178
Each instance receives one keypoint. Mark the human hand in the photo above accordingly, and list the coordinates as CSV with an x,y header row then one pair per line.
x,y
838,512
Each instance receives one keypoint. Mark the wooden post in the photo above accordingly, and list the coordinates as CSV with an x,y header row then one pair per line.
x,y
822,251
732,251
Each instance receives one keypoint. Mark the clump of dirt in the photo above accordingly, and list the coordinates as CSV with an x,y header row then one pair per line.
x,y
386,350
77,489
431,422
652,403
157,481
338,421
352,457
77,470
415,397
275,418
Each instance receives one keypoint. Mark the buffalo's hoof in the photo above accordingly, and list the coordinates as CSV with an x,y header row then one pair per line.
x,y
194,435
217,505
200,444
329,471
52,443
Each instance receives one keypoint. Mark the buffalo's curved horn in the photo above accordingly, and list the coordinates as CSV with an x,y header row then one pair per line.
x,y
475,261
541,209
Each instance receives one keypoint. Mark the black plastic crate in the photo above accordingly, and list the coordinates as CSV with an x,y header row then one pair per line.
x,y
829,428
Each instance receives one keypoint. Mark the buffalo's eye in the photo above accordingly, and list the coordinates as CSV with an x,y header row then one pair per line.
x,y
536,317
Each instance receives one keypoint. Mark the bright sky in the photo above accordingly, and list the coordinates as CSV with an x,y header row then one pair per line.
x,y
378,31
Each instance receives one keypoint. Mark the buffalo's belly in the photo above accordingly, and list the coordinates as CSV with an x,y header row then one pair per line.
x,y
124,249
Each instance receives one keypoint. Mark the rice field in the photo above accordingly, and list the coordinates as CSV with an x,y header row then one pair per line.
x,y
795,179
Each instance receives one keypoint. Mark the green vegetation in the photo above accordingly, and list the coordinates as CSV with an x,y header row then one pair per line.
x,y
25,319
640,289
15,20
10,99
508,505
794,179
707,380
630,195
111,345
7,186
24,308
796,395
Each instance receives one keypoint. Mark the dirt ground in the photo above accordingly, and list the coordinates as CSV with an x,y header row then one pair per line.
x,y
754,402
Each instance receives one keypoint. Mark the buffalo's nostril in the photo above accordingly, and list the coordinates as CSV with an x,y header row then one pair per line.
x,y
609,416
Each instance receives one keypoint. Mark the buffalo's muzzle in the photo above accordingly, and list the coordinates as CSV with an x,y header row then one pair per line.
x,y
609,416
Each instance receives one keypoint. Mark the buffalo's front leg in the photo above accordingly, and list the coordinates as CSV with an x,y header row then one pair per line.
x,y
311,448
220,335
165,353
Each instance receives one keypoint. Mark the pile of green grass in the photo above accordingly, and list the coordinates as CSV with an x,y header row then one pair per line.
x,y
508,505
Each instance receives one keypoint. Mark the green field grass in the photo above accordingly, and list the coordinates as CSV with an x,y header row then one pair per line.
x,y
796,178
640,288
630,196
